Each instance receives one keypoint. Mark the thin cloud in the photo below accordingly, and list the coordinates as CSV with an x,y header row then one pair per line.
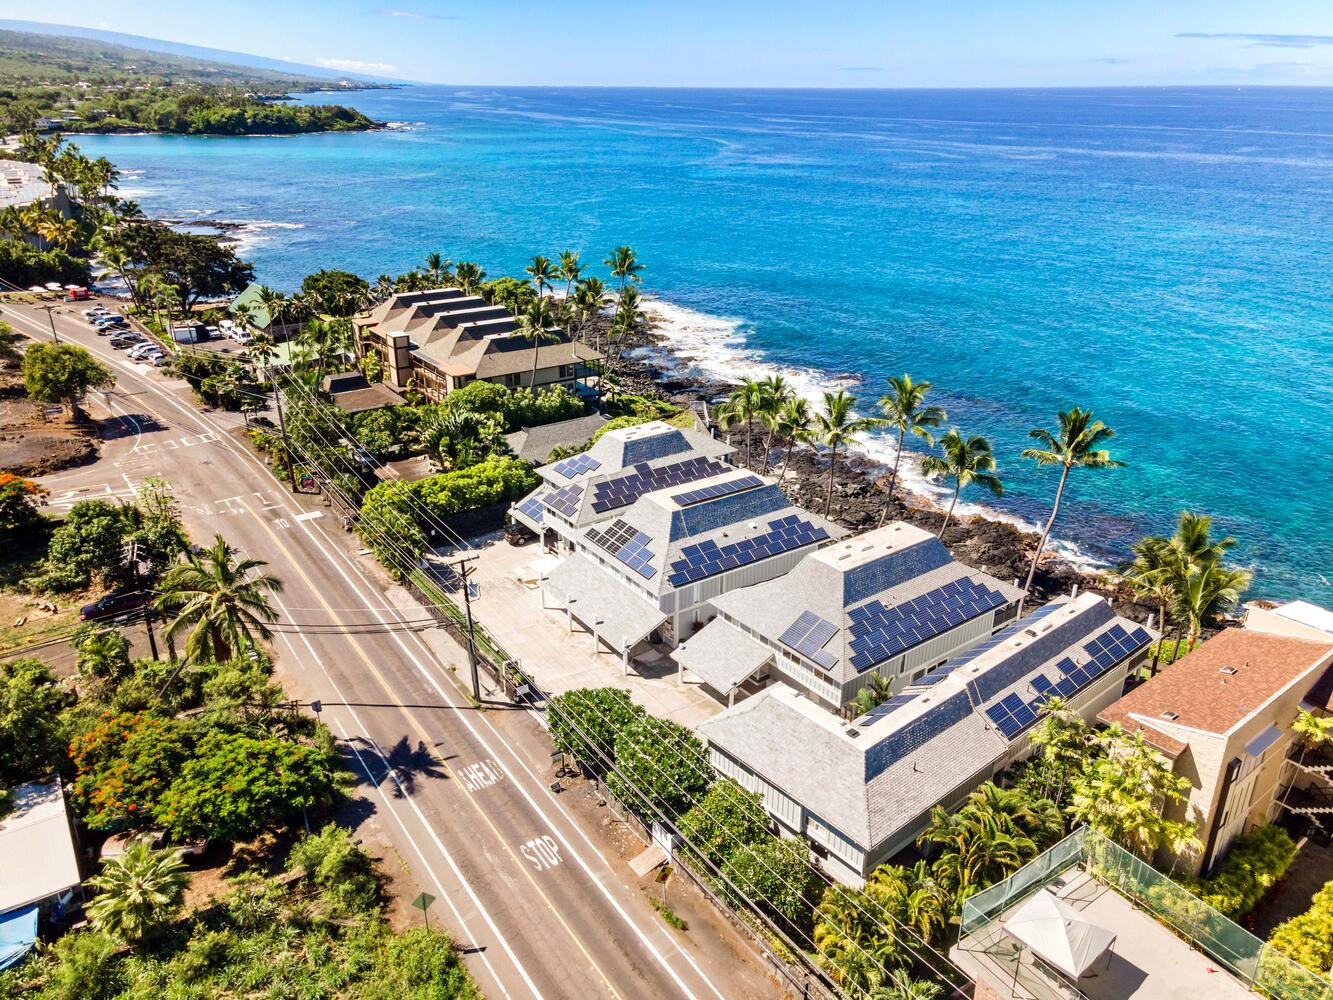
x,y
414,15
355,65
1267,41
862,69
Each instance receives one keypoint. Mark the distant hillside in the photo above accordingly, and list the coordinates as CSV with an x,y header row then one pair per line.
x,y
55,83
196,53
31,58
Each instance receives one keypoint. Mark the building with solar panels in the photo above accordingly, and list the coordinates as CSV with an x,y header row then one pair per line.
x,y
861,791
891,602
442,339
622,466
651,566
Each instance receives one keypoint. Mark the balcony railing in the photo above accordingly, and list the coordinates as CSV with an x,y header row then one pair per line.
x,y
1250,959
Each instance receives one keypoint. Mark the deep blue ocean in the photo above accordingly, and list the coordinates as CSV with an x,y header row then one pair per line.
x,y
1162,256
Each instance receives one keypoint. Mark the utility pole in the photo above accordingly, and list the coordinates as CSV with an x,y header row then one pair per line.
x,y
52,320
464,572
282,427
133,556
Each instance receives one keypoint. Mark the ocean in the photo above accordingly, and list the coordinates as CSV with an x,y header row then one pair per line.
x,y
1161,256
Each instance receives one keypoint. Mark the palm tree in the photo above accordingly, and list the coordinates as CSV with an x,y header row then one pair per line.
x,y
901,986
1151,574
590,298
570,270
794,422
835,428
852,940
1077,445
1209,591
774,392
745,402
905,410
219,600
276,305
138,892
438,268
542,272
459,438
624,264
1314,731
536,324
629,318
381,289
965,461
469,276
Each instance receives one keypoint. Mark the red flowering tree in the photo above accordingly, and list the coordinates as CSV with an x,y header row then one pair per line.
x,y
124,765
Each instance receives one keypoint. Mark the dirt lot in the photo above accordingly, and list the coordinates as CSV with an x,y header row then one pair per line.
x,y
39,624
33,443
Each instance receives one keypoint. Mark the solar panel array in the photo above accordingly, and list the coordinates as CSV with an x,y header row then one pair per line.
x,y
890,570
651,448
623,490
627,544
1013,713
808,635
1001,636
889,707
577,465
879,632
532,506
917,733
717,490
565,500
708,558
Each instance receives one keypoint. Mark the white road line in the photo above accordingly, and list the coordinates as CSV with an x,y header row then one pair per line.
x,y
448,857
334,561
308,515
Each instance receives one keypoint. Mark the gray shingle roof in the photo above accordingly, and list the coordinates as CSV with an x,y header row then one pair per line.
x,y
726,658
893,565
669,528
534,444
602,602
876,777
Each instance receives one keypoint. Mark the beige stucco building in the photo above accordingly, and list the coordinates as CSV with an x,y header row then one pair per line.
x,y
1222,715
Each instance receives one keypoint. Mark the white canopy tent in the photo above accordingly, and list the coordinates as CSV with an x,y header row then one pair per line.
x,y
1059,935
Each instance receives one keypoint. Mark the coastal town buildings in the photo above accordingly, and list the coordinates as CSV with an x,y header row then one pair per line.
x,y
891,603
664,548
1222,716
24,184
438,340
861,791
622,466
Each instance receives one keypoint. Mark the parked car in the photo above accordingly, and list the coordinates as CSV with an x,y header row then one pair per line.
x,y
143,350
518,534
123,340
242,338
95,311
161,359
111,605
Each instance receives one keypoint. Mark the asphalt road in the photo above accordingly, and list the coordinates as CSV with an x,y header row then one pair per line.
x,y
523,884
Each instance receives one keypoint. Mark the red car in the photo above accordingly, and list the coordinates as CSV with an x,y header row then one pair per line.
x,y
114,604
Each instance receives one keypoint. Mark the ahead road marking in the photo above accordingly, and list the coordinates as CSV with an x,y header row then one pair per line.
x,y
481,775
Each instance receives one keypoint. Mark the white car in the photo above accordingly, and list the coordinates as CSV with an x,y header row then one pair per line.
x,y
242,338
137,353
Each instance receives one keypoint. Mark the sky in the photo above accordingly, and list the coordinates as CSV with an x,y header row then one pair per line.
x,y
759,43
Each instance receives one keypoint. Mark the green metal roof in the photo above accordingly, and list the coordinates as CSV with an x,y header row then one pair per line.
x,y
259,317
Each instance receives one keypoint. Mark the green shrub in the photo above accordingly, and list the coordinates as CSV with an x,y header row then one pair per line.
x,y
778,876
344,872
586,721
1308,937
725,820
659,766
88,967
23,264
495,480
1255,863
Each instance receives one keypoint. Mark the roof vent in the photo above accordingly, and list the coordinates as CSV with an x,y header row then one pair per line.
x,y
1229,671
1171,716
853,732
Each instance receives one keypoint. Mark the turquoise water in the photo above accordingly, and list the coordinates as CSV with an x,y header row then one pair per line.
x,y
1161,256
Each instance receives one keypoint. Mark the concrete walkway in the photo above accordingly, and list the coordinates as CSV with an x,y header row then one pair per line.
x,y
561,659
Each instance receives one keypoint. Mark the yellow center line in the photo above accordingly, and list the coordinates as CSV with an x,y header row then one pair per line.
x,y
425,738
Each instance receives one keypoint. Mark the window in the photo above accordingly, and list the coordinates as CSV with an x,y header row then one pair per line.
x,y
566,371
511,381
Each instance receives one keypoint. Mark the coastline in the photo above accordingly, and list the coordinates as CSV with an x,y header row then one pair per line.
x,y
687,357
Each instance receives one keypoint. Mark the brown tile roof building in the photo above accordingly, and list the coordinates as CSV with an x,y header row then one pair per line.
x,y
1216,686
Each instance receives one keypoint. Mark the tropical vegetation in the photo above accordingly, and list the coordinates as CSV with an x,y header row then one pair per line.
x,y
965,460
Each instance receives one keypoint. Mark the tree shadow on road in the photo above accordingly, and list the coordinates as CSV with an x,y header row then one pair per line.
x,y
407,763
